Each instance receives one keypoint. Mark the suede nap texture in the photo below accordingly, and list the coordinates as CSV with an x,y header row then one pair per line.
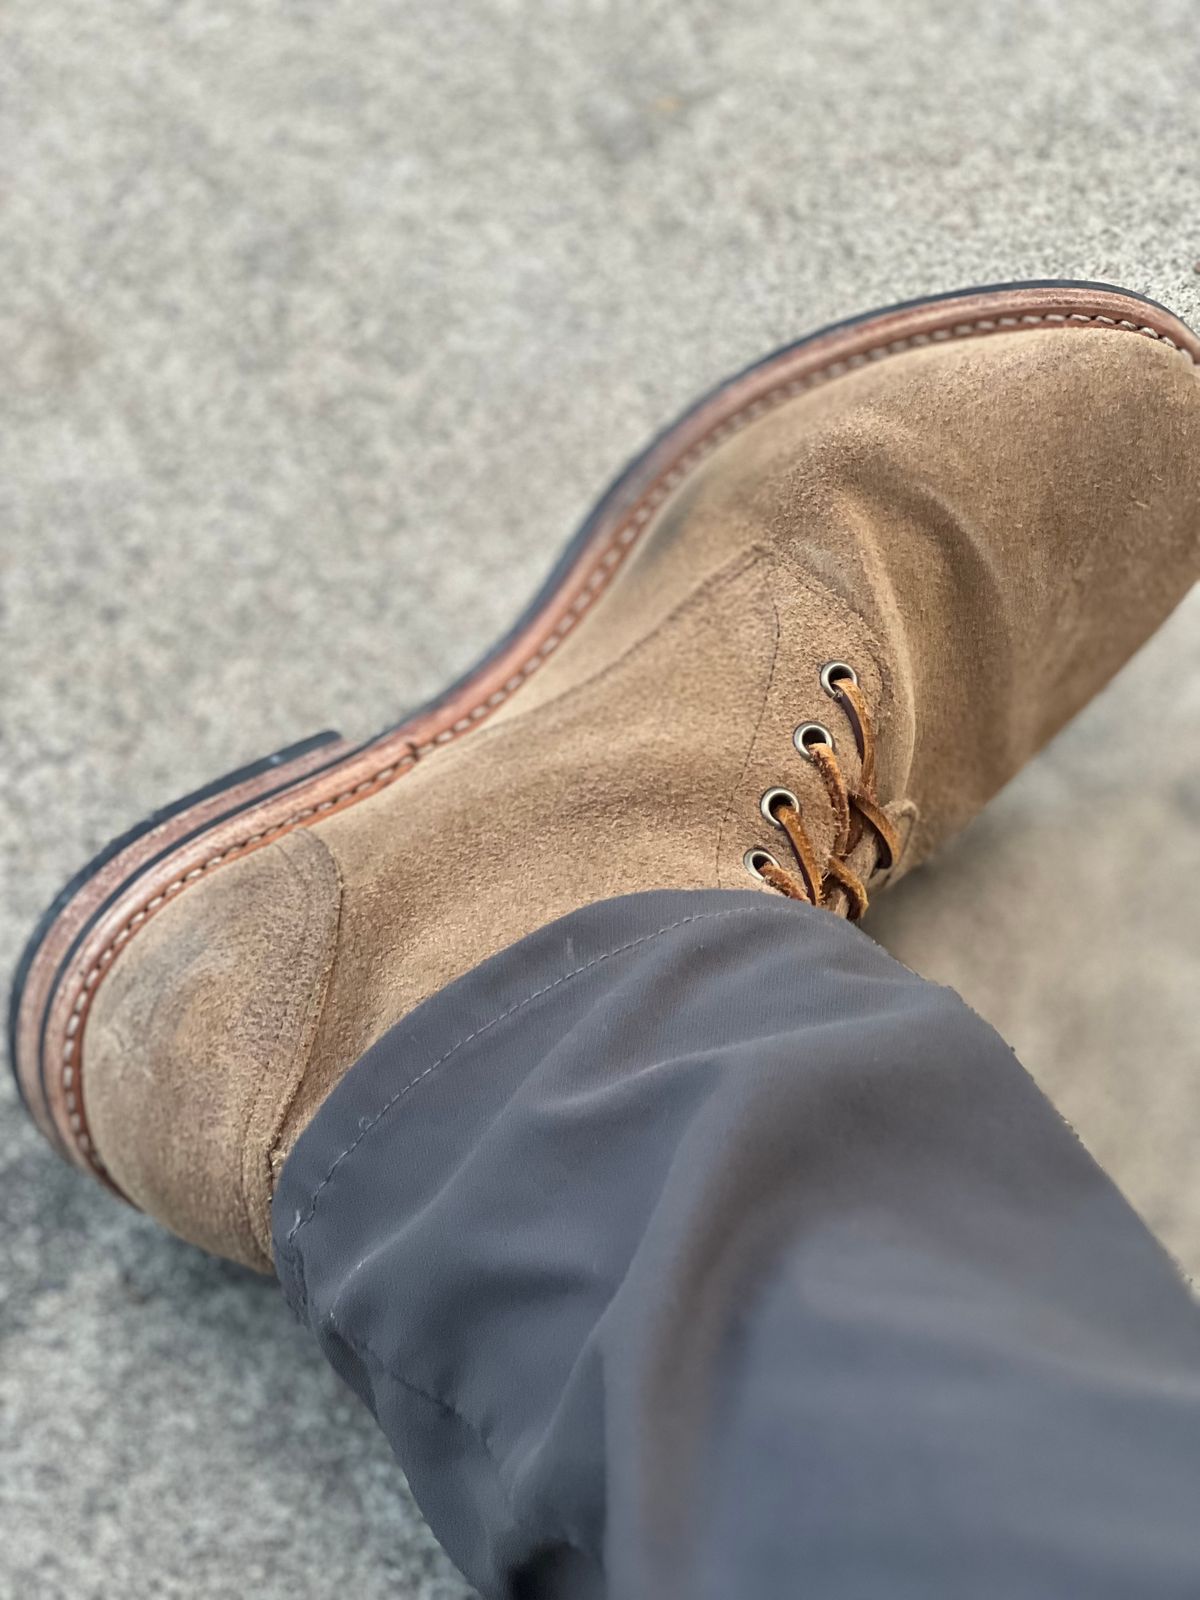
x,y
984,529
321,324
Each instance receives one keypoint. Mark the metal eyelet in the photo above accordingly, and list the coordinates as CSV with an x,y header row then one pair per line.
x,y
809,734
754,859
832,674
777,797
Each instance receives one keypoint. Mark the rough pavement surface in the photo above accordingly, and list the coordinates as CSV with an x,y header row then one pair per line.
x,y
320,326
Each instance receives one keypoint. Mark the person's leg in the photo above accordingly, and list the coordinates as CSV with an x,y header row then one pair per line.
x,y
694,1247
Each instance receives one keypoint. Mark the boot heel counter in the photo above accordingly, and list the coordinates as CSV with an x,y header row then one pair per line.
x,y
198,1041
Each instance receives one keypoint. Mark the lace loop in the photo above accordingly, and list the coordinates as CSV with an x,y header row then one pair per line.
x,y
855,812
826,763
851,886
850,697
802,848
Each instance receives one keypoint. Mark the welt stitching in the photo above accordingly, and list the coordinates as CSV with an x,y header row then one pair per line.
x,y
701,916
107,955
625,535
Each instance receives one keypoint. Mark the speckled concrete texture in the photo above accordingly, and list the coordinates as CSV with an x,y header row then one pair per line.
x,y
320,326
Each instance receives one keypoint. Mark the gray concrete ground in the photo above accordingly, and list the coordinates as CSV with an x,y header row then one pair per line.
x,y
320,325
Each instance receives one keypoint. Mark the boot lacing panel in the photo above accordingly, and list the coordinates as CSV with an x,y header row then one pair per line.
x,y
856,811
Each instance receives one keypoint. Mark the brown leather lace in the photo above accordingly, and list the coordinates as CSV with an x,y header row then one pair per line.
x,y
855,811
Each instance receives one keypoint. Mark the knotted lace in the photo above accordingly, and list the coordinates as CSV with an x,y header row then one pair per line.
x,y
855,812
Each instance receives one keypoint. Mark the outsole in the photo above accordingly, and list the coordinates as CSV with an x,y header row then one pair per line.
x,y
206,828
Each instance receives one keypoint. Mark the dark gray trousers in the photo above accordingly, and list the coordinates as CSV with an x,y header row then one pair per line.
x,y
693,1247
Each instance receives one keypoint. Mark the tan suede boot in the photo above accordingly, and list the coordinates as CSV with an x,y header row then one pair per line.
x,y
805,637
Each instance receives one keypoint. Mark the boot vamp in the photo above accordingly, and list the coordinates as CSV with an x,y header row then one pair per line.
x,y
1013,517
1010,516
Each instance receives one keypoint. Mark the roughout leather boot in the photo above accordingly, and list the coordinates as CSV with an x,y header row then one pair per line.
x,y
803,638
